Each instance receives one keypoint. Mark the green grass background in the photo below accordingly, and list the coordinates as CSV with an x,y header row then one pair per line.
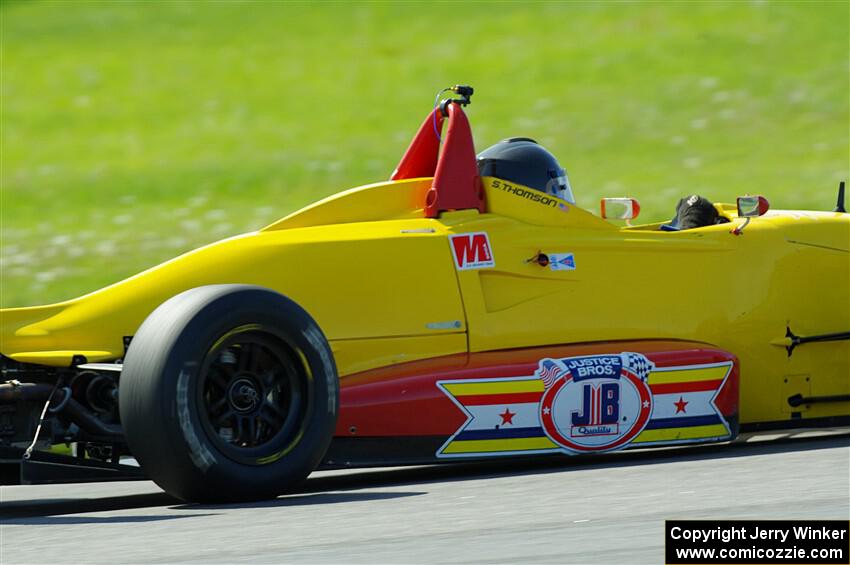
x,y
134,131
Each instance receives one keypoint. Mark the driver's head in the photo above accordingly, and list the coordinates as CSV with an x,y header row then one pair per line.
x,y
524,161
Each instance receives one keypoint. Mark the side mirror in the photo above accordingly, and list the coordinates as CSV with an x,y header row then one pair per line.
x,y
752,206
620,208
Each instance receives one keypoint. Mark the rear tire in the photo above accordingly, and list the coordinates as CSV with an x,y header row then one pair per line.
x,y
228,393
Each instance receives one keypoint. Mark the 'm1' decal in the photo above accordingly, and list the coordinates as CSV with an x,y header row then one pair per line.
x,y
472,251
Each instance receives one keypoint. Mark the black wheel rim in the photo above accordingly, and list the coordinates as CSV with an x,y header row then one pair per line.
x,y
253,396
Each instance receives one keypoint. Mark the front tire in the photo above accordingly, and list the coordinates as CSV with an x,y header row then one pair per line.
x,y
228,393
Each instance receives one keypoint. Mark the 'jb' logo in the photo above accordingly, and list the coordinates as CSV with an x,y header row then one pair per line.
x,y
595,403
600,409
472,251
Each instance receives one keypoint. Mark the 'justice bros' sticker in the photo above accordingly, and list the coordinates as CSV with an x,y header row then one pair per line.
x,y
587,404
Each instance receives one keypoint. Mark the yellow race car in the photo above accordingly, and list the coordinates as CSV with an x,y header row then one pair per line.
x,y
449,314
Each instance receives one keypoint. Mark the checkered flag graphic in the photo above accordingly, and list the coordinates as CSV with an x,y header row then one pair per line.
x,y
638,364
548,372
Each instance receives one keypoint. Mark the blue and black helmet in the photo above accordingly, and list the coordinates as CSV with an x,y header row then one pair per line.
x,y
526,162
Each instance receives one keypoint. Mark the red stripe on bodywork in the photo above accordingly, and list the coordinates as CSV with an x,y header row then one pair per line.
x,y
490,399
695,386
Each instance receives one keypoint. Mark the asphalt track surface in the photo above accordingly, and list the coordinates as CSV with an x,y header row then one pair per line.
x,y
606,509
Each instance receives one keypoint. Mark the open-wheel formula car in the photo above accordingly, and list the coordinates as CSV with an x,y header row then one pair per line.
x,y
440,316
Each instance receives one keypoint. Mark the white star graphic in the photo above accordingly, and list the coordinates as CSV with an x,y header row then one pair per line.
x,y
646,403
546,410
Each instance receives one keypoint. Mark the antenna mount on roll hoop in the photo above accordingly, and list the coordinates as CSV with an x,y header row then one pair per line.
x,y
456,184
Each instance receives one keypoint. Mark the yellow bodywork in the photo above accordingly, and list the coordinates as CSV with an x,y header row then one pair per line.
x,y
381,282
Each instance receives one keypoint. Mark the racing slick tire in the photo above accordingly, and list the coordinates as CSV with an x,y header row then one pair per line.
x,y
228,393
